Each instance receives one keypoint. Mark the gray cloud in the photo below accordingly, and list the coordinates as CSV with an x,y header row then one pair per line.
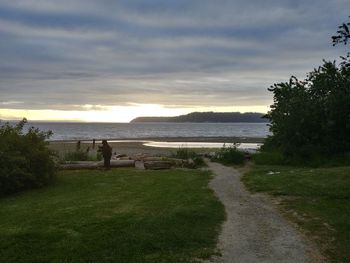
x,y
66,54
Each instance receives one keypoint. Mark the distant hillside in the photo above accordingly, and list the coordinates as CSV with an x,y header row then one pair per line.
x,y
207,117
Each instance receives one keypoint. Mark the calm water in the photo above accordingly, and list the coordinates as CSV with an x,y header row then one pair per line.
x,y
81,131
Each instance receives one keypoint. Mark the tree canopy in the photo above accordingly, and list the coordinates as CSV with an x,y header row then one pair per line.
x,y
343,34
313,116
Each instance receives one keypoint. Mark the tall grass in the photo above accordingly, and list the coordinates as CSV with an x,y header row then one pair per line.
x,y
186,154
75,156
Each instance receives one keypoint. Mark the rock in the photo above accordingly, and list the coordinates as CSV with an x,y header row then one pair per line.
x,y
190,163
140,165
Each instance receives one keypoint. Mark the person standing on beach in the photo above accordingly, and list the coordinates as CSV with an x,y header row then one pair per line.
x,y
106,153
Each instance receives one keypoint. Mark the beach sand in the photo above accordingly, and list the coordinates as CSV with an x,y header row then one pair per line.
x,y
131,147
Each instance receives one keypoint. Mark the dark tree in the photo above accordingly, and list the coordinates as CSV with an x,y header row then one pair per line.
x,y
343,34
343,37
312,116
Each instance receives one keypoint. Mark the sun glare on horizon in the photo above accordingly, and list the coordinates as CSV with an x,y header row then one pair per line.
x,y
93,113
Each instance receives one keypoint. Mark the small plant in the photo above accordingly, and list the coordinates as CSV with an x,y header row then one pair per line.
x,y
230,155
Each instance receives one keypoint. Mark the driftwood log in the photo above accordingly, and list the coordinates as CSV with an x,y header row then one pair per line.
x,y
95,165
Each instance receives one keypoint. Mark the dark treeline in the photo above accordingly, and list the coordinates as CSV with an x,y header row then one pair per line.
x,y
310,118
208,117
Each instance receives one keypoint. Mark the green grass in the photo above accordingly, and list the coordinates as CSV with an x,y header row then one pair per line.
x,y
318,200
116,216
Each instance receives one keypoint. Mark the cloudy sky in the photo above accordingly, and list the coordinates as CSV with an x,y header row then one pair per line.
x,y
107,60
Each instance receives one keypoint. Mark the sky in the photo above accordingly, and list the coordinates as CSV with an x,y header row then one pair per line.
x,y
111,61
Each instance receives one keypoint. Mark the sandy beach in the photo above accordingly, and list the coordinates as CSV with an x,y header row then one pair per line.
x,y
132,146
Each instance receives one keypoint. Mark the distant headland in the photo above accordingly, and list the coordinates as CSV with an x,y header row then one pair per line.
x,y
207,117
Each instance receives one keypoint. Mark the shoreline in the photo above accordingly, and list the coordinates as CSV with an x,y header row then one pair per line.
x,y
132,147
168,139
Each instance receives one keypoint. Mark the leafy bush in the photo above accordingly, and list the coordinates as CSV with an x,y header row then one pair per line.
x,y
230,155
25,160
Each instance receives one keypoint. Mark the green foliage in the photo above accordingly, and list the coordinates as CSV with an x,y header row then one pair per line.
x,y
80,155
25,160
343,34
185,154
311,117
198,161
122,215
230,155
268,158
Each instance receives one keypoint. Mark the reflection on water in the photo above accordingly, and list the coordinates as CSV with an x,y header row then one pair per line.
x,y
249,147
242,146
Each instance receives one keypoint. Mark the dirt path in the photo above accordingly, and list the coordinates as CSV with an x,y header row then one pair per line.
x,y
253,231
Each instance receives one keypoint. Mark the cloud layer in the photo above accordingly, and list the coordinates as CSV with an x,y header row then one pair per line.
x,y
185,53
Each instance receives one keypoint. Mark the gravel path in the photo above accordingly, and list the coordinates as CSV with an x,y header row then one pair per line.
x,y
253,231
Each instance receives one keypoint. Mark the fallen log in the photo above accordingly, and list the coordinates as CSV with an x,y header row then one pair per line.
x,y
121,163
95,165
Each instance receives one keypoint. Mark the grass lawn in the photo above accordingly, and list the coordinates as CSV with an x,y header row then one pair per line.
x,y
317,199
115,216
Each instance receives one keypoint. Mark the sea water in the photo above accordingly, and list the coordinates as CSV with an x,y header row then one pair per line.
x,y
89,131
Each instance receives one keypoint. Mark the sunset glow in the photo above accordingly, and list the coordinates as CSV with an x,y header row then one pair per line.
x,y
113,113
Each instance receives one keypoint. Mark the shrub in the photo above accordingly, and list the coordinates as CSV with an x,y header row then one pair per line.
x,y
230,155
198,161
25,160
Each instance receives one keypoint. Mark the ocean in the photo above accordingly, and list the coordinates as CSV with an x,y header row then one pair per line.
x,y
88,131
